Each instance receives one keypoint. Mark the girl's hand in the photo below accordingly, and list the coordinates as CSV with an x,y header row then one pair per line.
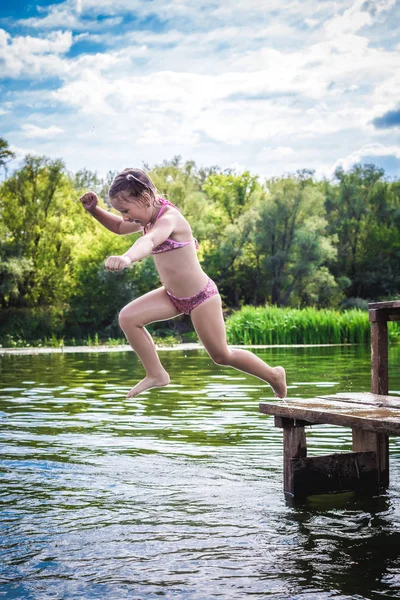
x,y
89,201
117,263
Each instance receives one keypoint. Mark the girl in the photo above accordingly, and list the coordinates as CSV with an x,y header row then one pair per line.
x,y
185,286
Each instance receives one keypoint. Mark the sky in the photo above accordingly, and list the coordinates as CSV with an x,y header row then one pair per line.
x,y
269,86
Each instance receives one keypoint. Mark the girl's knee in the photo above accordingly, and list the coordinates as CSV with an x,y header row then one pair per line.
x,y
126,317
122,318
221,357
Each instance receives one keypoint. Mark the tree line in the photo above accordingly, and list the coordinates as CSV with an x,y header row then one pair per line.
x,y
287,241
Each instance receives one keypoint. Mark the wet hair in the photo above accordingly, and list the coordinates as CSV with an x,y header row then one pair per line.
x,y
133,185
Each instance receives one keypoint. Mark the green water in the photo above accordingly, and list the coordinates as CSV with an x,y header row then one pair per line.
x,y
178,493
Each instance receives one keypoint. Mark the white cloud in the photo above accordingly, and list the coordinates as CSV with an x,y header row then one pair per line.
x,y
64,18
33,131
57,42
380,6
74,13
20,151
357,16
350,21
71,15
276,153
387,92
366,151
32,56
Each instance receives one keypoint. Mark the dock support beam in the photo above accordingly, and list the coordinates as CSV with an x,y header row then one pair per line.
x,y
369,441
294,446
366,468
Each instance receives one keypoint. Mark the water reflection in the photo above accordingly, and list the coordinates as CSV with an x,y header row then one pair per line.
x,y
351,549
178,493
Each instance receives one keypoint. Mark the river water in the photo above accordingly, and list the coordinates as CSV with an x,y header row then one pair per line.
x,y
177,494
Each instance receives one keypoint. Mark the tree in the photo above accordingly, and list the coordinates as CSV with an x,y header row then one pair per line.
x,y
231,192
175,180
291,236
5,155
349,206
227,223
37,212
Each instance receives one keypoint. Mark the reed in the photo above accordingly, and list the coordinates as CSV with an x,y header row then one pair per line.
x,y
271,325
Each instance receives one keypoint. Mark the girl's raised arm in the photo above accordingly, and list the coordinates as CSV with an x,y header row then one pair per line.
x,y
112,222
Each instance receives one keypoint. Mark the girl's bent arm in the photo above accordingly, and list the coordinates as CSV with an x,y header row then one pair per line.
x,y
114,223
160,231
140,249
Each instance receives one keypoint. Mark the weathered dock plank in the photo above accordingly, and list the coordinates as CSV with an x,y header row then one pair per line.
x,y
384,305
365,398
380,419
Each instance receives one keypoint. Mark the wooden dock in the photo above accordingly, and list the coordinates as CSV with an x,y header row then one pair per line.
x,y
372,416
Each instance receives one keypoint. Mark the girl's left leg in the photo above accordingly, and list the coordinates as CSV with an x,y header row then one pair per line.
x,y
208,321
153,306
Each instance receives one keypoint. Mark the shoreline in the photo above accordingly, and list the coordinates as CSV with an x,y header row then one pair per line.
x,y
127,348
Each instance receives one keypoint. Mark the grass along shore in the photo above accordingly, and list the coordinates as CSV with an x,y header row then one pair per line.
x,y
271,325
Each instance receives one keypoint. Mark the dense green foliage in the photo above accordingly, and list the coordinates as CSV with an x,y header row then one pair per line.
x,y
289,241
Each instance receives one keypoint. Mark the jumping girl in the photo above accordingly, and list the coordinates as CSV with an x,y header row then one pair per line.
x,y
185,286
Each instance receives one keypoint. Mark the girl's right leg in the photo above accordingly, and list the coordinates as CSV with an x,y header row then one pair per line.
x,y
154,306
208,321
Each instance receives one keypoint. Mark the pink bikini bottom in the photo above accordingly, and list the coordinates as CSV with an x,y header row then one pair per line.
x,y
186,305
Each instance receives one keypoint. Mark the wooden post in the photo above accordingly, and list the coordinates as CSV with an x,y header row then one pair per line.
x,y
294,446
369,441
379,353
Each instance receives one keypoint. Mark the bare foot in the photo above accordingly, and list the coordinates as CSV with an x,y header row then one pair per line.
x,y
149,382
279,387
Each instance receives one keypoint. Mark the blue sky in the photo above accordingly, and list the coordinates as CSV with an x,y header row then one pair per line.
x,y
270,86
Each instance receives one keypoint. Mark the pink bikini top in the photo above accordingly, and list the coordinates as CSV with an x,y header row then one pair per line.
x,y
170,244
